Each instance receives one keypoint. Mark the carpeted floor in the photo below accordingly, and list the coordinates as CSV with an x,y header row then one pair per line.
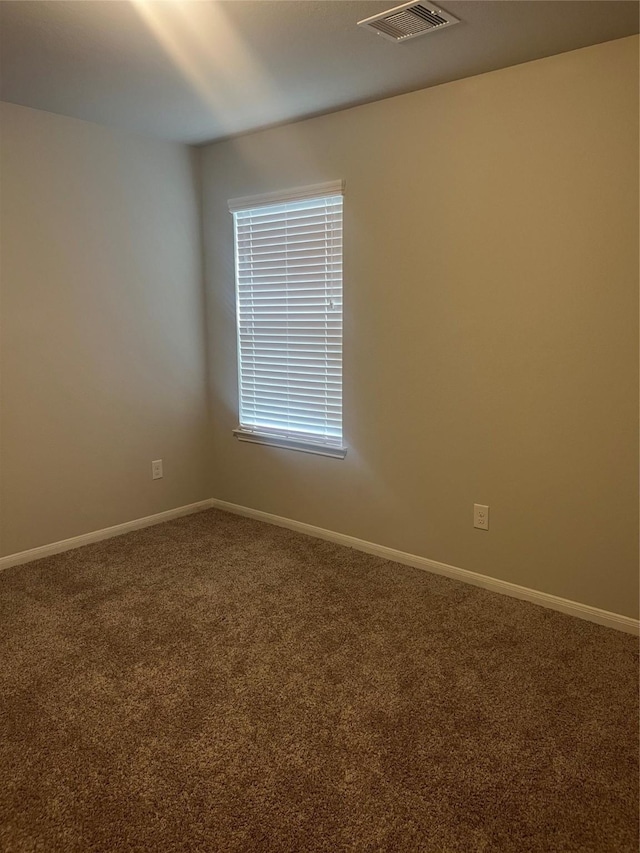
x,y
217,684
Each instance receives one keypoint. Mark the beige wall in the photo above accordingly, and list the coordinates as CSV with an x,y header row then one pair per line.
x,y
491,325
491,311
102,332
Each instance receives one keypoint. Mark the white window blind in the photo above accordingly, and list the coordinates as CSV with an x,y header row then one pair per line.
x,y
289,314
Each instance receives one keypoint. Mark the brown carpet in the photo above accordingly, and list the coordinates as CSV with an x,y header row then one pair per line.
x,y
217,684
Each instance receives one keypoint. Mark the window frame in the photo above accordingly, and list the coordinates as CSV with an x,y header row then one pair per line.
x,y
254,433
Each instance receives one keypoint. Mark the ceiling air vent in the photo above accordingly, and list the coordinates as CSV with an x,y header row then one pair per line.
x,y
408,21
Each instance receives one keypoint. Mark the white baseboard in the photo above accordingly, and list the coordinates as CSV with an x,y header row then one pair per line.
x,y
97,535
544,599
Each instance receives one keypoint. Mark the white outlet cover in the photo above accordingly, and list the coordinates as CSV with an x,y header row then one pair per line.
x,y
481,516
156,469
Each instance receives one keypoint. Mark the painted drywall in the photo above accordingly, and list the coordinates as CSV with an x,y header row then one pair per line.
x,y
102,336
491,323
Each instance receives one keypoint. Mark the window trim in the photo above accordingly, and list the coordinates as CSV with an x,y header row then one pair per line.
x,y
249,202
274,437
288,443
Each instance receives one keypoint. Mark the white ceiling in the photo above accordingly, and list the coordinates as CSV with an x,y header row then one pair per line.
x,y
200,70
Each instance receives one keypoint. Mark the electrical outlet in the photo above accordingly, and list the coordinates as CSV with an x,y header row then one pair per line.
x,y
481,516
156,469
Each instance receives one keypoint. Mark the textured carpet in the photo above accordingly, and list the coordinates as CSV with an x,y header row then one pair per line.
x,y
217,684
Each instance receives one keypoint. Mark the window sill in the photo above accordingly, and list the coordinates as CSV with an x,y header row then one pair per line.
x,y
290,443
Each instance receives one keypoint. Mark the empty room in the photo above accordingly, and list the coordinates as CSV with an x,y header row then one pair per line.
x,y
319,392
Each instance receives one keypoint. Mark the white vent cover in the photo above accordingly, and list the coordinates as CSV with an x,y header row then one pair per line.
x,y
408,21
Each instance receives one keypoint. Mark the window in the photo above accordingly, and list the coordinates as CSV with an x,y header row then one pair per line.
x,y
289,313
